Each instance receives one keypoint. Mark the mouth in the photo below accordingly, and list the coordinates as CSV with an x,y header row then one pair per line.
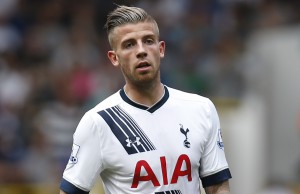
x,y
143,64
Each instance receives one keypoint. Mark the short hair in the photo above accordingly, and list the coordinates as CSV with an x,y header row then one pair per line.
x,y
126,15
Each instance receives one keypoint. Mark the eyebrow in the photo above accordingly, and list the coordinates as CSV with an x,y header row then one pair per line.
x,y
150,36
144,37
153,36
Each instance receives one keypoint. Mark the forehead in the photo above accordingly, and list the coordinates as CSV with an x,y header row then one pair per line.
x,y
134,30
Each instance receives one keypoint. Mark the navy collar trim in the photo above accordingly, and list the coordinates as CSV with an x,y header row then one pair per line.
x,y
151,109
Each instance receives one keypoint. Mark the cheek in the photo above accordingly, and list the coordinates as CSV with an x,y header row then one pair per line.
x,y
158,56
125,64
124,57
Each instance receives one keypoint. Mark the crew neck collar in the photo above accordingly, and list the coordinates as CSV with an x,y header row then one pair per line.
x,y
150,109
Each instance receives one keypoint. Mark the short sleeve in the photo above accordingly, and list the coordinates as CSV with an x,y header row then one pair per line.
x,y
84,165
213,165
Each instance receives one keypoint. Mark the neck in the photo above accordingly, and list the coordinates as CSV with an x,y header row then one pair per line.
x,y
146,95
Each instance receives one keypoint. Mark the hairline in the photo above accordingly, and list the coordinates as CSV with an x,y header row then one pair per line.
x,y
124,15
148,20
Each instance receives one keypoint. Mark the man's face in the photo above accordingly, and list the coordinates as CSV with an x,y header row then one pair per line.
x,y
137,50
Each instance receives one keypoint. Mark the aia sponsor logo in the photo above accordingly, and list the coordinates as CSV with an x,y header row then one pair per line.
x,y
144,172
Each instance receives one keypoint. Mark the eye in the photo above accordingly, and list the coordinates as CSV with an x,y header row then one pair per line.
x,y
149,41
128,44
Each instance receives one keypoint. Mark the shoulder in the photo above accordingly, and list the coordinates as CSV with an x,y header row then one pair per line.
x,y
192,102
186,97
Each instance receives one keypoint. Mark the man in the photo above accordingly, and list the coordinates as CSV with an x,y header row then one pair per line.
x,y
147,138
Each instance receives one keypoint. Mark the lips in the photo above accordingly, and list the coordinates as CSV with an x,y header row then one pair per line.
x,y
143,64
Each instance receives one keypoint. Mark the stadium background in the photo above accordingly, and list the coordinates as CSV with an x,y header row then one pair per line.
x,y
243,54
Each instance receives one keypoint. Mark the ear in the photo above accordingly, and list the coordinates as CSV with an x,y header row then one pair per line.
x,y
113,58
162,47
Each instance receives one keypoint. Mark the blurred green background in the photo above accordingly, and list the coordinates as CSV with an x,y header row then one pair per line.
x,y
243,54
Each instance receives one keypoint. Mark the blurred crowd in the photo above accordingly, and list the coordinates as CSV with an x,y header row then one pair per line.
x,y
53,66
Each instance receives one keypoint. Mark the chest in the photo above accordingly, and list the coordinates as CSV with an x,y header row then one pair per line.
x,y
160,148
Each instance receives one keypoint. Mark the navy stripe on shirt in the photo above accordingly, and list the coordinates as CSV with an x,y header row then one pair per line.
x,y
69,188
135,127
126,130
169,192
216,178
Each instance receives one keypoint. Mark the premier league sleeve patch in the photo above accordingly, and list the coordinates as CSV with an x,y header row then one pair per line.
x,y
220,141
75,149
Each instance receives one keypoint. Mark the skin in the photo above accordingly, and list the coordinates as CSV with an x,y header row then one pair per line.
x,y
137,51
222,188
135,45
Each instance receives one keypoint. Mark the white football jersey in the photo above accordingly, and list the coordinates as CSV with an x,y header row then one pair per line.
x,y
162,149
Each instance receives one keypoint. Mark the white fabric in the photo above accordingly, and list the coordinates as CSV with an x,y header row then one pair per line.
x,y
97,151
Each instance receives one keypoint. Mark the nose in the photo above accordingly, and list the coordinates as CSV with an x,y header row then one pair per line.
x,y
141,51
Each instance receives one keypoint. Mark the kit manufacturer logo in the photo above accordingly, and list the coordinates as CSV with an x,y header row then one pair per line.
x,y
126,130
131,142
